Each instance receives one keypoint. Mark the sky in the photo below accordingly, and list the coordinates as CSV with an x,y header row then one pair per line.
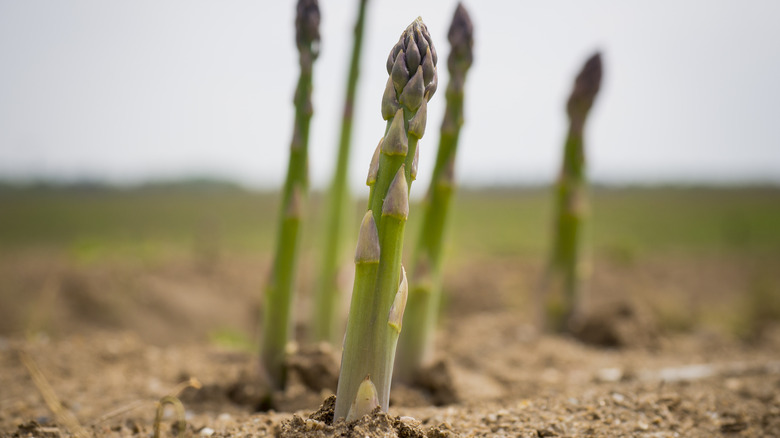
x,y
126,92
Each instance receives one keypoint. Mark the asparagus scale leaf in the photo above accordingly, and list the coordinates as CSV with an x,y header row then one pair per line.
x,y
416,343
279,290
380,289
562,287
365,401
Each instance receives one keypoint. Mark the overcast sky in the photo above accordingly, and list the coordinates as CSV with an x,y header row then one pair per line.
x,y
127,91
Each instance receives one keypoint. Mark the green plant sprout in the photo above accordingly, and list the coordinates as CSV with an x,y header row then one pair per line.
x,y
327,298
380,288
415,348
279,291
562,284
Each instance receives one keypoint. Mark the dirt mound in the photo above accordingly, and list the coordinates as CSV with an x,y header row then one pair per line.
x,y
617,324
320,424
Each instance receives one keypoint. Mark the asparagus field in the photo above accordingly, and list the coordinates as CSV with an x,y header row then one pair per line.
x,y
117,308
571,308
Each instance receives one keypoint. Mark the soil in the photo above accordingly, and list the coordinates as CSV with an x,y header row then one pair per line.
x,y
111,339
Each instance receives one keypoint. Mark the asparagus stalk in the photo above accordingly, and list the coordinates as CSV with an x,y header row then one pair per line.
x,y
563,283
380,289
279,290
416,343
327,298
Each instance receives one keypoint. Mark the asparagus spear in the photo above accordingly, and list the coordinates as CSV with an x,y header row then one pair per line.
x,y
278,293
380,289
563,281
416,343
328,294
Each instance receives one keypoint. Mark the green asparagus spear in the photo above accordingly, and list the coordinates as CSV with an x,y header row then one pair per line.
x,y
279,291
565,270
380,289
416,343
326,322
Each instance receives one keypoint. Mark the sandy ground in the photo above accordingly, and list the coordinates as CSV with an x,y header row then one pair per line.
x,y
112,339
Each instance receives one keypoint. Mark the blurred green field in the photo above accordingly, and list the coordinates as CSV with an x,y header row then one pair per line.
x,y
97,221
175,252
93,220
627,221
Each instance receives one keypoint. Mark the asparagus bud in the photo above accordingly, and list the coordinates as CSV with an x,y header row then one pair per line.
x,y
417,124
400,73
396,317
367,250
414,49
414,91
373,168
415,162
396,141
389,101
397,199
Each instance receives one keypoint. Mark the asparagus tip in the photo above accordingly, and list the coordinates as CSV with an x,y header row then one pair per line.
x,y
307,24
366,400
367,250
586,86
461,37
396,317
397,200
413,51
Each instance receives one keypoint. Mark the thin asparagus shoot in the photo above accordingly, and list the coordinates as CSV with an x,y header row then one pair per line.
x,y
416,343
279,290
326,321
380,289
562,285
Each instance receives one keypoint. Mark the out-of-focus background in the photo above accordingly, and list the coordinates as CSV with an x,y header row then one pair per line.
x,y
185,110
124,92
